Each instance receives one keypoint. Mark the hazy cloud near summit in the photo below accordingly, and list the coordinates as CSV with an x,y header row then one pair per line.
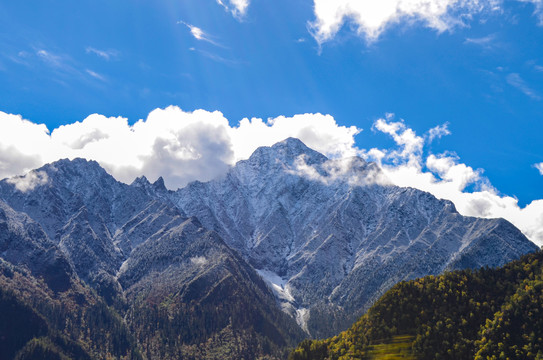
x,y
201,145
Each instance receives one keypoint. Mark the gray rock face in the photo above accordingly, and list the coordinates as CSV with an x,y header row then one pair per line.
x,y
24,243
330,236
81,208
131,242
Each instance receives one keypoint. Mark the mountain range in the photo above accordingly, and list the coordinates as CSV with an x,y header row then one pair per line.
x,y
287,244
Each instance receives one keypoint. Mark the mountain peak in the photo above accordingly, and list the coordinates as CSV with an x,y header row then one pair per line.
x,y
290,142
287,151
79,162
140,181
159,184
72,168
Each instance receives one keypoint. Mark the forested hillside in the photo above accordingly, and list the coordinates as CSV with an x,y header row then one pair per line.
x,y
484,314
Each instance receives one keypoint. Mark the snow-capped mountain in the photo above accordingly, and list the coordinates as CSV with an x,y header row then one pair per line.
x,y
330,236
142,255
327,236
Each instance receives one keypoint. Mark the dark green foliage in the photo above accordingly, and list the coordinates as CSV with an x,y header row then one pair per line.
x,y
485,314
516,331
18,324
36,322
52,348
41,348
227,319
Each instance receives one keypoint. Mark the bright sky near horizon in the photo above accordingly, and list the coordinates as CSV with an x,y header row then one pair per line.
x,y
447,95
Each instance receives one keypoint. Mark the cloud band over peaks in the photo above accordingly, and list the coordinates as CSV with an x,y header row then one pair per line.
x,y
180,146
200,145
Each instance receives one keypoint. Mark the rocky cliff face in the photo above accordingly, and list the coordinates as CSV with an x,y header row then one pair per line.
x,y
177,284
330,236
23,243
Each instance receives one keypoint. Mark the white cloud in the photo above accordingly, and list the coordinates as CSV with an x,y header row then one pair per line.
x,y
319,132
481,40
50,58
29,181
180,146
538,11
438,132
104,54
539,166
486,42
371,18
199,34
96,75
238,8
518,82
410,145
20,144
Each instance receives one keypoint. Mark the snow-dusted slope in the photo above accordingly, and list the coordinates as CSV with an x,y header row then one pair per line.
x,y
330,236
23,243
131,244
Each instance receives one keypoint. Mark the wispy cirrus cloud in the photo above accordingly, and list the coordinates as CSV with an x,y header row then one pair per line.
x,y
52,63
104,54
200,34
486,42
215,57
52,59
538,11
96,75
515,80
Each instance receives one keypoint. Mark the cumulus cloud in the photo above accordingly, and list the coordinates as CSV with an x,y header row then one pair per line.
x,y
370,18
238,8
539,166
20,144
446,177
438,132
180,146
319,132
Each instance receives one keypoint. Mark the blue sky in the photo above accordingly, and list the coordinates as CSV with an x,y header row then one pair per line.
x,y
477,69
